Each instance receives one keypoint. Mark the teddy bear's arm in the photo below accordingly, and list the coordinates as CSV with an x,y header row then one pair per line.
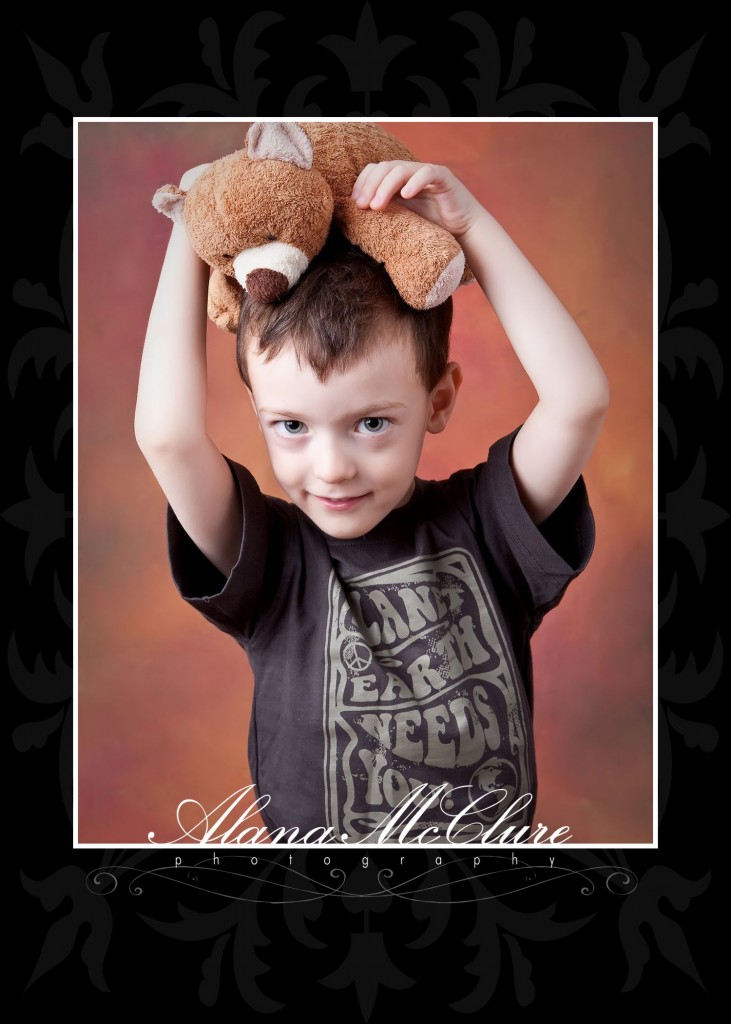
x,y
425,262
224,301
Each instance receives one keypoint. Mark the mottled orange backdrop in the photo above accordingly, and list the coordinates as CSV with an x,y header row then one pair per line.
x,y
164,697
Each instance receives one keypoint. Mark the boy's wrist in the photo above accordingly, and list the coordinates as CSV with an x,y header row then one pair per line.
x,y
190,176
478,224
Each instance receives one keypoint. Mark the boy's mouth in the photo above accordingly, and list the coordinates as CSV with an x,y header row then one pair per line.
x,y
340,504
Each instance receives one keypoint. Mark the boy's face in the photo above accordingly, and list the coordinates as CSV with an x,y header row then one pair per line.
x,y
345,450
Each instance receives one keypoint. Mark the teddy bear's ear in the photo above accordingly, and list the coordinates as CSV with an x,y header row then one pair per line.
x,y
169,199
275,140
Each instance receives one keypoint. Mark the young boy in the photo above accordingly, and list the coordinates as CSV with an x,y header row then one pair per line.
x,y
387,619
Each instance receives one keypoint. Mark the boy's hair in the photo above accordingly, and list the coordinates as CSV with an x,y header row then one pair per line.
x,y
332,317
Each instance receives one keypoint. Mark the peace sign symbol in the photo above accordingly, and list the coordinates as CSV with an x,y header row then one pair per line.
x,y
356,654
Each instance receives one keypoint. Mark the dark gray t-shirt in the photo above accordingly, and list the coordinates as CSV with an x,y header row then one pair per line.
x,y
393,672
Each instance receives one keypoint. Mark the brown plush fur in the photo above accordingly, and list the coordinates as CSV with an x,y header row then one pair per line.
x,y
279,196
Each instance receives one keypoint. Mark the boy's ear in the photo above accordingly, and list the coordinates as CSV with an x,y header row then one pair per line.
x,y
443,397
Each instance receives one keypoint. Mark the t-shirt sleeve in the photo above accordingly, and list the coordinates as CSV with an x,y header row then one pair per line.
x,y
228,602
537,561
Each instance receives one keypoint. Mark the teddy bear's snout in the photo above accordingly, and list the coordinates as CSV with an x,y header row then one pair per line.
x,y
266,285
268,271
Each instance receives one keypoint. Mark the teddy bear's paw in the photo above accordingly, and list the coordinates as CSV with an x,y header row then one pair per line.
x,y
224,314
447,282
224,319
224,301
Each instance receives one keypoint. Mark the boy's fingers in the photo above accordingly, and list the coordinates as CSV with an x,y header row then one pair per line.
x,y
361,179
361,186
427,174
378,184
368,182
392,183
371,178
190,176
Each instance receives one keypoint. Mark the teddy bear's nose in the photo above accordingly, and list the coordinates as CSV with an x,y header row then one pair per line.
x,y
266,285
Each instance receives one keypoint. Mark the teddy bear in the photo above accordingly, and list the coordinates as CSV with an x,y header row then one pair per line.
x,y
261,214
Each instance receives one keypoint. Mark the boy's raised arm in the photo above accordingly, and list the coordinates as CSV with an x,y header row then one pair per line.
x,y
557,437
170,417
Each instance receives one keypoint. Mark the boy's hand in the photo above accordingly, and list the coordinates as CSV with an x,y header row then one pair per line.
x,y
429,189
189,177
550,450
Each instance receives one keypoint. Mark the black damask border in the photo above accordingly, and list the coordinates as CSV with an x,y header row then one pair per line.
x,y
487,71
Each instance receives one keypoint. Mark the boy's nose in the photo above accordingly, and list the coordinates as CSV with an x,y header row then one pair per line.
x,y
332,464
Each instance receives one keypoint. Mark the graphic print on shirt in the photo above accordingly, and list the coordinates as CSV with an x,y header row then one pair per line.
x,y
420,689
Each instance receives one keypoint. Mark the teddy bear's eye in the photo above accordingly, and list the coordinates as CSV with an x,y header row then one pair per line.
x,y
271,238
225,255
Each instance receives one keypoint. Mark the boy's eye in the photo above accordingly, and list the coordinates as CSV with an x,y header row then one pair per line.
x,y
290,427
374,424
